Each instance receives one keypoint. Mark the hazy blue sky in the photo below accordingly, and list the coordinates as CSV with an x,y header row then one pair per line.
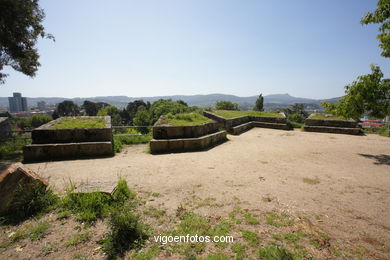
x,y
146,48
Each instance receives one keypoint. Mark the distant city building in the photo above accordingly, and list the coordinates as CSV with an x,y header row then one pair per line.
x,y
42,105
17,103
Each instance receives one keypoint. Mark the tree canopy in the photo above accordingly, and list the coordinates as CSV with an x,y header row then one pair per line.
x,y
226,105
259,105
368,94
20,28
66,108
381,16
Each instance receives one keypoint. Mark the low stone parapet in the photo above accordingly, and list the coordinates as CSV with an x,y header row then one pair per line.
x,y
171,132
334,130
47,135
187,144
45,152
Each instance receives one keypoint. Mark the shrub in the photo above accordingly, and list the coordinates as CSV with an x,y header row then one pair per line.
x,y
126,232
38,120
226,105
28,200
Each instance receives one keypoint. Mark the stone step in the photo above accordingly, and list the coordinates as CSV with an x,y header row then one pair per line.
x,y
187,144
281,126
44,152
334,130
236,130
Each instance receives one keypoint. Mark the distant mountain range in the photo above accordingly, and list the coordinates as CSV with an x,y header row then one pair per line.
x,y
270,101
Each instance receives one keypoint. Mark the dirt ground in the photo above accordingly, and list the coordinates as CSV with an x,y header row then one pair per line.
x,y
340,183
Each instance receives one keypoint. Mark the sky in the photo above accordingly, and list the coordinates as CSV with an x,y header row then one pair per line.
x,y
306,48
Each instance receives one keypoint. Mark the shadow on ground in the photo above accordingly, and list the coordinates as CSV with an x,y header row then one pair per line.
x,y
381,159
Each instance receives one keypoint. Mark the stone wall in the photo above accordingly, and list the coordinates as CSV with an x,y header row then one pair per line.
x,y
331,123
46,135
238,125
58,144
171,132
187,144
331,126
5,128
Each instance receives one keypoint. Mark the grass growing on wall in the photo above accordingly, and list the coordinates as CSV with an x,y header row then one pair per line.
x,y
234,113
79,122
327,117
185,119
13,148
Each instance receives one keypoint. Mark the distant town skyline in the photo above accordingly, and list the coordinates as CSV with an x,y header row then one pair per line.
x,y
308,49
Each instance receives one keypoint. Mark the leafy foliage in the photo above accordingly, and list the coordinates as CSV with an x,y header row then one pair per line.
x,y
226,105
67,108
163,107
126,232
259,105
296,113
142,118
38,120
129,113
112,111
92,108
381,16
368,94
21,26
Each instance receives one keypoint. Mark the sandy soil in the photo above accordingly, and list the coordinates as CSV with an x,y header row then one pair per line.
x,y
342,181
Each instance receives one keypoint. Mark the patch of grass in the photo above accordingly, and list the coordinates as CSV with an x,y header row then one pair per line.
x,y
18,235
120,141
47,249
250,219
275,252
38,231
79,122
294,124
64,214
194,224
28,199
126,232
278,220
250,237
289,237
327,117
149,254
78,239
383,131
239,250
88,207
217,256
236,113
153,212
156,194
311,181
185,119
13,148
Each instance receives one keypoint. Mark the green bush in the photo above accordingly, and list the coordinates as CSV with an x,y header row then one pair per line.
x,y
126,232
38,120
226,105
28,200
163,107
